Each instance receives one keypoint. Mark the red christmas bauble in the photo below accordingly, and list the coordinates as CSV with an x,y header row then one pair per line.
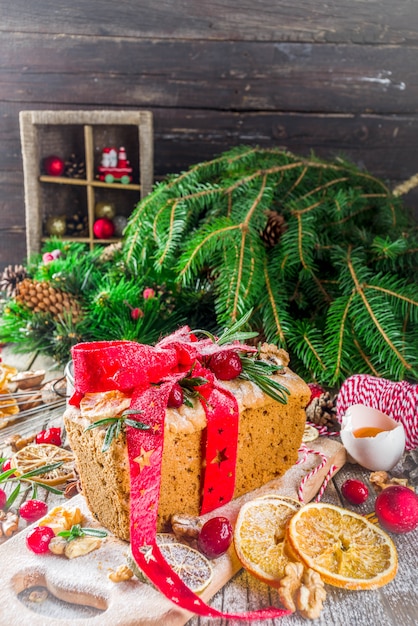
x,y
103,228
54,165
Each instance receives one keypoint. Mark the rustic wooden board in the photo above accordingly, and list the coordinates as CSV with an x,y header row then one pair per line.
x,y
361,21
233,75
84,582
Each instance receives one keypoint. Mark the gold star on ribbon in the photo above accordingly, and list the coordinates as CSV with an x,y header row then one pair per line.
x,y
144,459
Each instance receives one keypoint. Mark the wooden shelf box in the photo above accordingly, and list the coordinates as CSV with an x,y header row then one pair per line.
x,y
85,134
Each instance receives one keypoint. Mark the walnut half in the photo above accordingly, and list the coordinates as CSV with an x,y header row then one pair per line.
x,y
303,590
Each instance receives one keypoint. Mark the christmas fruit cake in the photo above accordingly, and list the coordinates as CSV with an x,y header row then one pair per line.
x,y
197,386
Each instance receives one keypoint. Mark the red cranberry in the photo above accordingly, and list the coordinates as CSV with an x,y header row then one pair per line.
x,y
6,466
50,435
396,508
355,491
176,397
226,365
32,510
38,539
3,498
215,537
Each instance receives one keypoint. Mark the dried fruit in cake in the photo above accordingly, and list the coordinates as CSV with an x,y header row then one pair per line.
x,y
346,549
396,509
190,565
259,537
36,456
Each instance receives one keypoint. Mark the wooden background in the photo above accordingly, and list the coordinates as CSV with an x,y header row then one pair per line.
x,y
337,77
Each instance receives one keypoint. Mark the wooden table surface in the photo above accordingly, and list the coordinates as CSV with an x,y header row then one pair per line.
x,y
396,604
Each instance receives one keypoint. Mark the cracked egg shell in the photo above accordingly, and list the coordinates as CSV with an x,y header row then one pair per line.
x,y
384,446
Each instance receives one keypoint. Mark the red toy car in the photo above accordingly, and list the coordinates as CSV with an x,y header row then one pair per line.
x,y
115,167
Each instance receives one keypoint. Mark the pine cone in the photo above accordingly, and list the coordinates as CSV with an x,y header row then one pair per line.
x,y
274,228
409,466
11,277
77,225
75,167
40,297
322,411
110,251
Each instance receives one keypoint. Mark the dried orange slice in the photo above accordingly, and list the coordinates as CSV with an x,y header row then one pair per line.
x,y
259,537
277,496
343,547
38,455
309,434
190,565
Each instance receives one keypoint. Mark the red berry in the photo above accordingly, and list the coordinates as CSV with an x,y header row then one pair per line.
x,y
355,491
7,466
316,391
396,508
215,537
3,498
50,435
136,313
32,510
176,397
38,539
226,365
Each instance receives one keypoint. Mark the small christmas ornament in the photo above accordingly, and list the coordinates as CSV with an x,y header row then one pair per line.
x,y
114,166
104,209
56,225
47,257
75,167
120,222
396,509
53,165
103,228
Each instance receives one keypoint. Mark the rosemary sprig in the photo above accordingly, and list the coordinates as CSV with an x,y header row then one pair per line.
x,y
115,424
8,475
189,384
78,531
259,372
232,333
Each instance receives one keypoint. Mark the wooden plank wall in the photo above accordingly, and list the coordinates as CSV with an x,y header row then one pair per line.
x,y
339,77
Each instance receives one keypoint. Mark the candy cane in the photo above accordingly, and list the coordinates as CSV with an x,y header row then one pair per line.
x,y
305,451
